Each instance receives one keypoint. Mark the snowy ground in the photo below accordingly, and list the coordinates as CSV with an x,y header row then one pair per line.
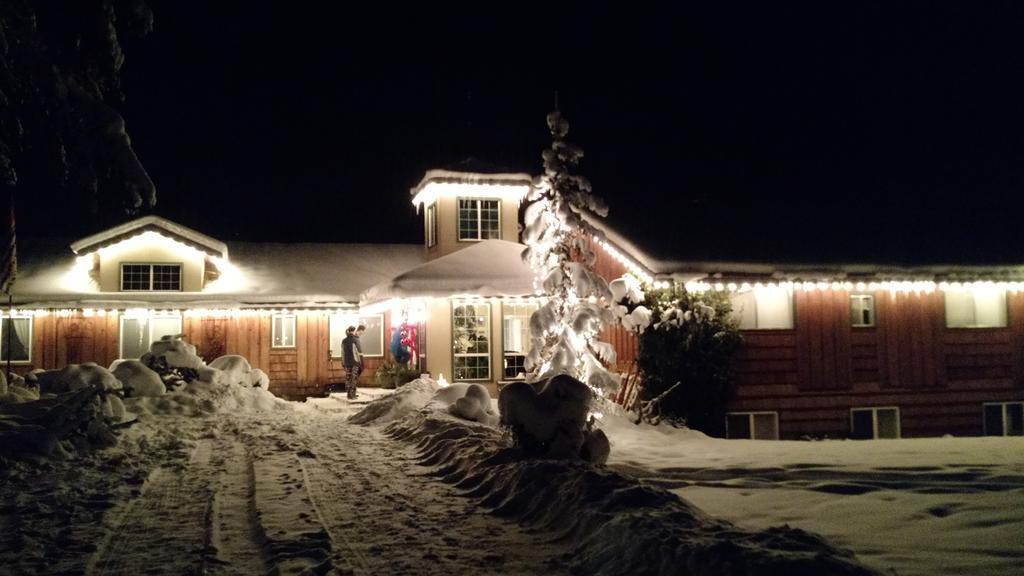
x,y
225,486
908,507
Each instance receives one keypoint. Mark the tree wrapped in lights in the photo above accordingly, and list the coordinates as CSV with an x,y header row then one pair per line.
x,y
564,331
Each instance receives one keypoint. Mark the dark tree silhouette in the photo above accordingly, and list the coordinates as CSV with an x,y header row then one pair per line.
x,y
62,139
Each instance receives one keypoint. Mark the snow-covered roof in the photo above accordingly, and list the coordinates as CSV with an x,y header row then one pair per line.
x,y
269,275
442,176
181,233
492,268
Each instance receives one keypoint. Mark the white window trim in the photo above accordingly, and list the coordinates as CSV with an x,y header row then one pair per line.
x,y
874,310
479,218
1005,420
874,420
490,341
432,225
751,420
31,328
273,331
504,352
149,328
354,320
181,275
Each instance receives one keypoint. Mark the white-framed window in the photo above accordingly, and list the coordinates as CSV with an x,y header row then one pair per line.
x,y
862,310
979,307
752,425
282,331
768,308
372,340
1003,418
432,225
16,339
869,423
147,277
515,331
138,332
479,219
471,341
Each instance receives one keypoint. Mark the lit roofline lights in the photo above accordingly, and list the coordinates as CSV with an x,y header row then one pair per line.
x,y
901,286
431,191
631,266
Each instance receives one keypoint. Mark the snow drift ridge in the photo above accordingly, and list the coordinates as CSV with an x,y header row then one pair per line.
x,y
617,525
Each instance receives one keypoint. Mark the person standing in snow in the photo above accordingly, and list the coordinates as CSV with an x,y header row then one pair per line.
x,y
352,350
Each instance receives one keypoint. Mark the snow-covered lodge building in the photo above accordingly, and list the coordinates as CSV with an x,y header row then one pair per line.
x,y
843,351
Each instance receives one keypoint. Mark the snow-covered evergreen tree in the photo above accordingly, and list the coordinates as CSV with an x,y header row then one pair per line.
x,y
564,331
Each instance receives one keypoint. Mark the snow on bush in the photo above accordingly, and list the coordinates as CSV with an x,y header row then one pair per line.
x,y
175,352
138,379
74,377
549,419
17,391
236,369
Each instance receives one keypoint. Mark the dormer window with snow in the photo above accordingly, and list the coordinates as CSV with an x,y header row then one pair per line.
x,y
479,219
150,277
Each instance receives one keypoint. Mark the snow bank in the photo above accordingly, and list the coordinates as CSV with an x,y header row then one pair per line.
x,y
406,399
137,378
617,526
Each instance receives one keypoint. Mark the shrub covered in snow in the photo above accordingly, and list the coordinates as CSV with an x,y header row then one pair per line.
x,y
549,419
692,341
137,378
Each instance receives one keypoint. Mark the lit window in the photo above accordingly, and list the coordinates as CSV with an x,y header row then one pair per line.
x,y
1004,419
872,423
283,331
752,425
479,219
862,310
515,321
471,341
432,225
137,334
16,339
763,309
976,308
151,277
372,340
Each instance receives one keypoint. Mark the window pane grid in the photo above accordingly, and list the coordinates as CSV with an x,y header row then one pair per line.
x,y
151,277
471,329
479,219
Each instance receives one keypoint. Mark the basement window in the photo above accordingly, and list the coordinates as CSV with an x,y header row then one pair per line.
x,y
283,331
752,425
763,309
1004,418
137,333
16,339
874,423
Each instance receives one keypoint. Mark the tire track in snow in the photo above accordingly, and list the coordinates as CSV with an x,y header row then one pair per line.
x,y
385,517
235,538
168,520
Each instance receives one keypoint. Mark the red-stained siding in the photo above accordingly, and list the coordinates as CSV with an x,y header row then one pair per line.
x,y
938,377
295,373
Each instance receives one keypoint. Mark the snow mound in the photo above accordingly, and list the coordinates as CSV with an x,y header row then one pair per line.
x,y
616,525
234,369
408,398
17,391
76,377
175,352
138,379
549,419
467,401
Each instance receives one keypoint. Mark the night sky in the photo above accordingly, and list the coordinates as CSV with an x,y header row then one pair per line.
x,y
859,132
